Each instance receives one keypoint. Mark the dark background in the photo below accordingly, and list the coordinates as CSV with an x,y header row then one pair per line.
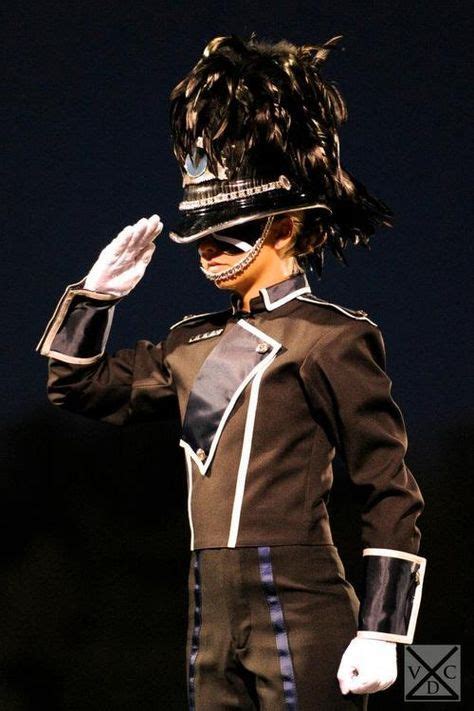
x,y
95,538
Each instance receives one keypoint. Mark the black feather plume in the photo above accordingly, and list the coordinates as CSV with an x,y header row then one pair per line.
x,y
263,109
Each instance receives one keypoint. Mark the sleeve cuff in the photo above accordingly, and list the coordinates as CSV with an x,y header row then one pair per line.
x,y
392,595
80,325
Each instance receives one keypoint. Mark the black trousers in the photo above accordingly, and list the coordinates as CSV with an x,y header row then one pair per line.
x,y
267,629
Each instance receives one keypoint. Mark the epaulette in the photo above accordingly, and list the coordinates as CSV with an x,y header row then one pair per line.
x,y
193,317
357,314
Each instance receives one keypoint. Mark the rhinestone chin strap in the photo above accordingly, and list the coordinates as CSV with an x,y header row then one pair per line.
x,y
241,265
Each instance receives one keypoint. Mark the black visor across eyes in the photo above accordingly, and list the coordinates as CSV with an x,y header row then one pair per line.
x,y
224,246
247,231
239,238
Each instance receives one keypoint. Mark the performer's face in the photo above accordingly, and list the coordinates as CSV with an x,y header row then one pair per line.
x,y
216,255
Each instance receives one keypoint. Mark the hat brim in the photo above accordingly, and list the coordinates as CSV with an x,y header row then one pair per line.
x,y
196,224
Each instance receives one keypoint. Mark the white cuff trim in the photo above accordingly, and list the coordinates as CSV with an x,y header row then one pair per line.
x,y
385,637
391,553
56,321
56,355
416,560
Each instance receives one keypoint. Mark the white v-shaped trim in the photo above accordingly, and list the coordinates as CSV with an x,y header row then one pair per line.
x,y
244,461
260,367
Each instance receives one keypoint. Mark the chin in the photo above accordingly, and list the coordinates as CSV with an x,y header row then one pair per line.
x,y
224,283
227,283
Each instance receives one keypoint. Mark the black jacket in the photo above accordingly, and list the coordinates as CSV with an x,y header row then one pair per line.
x,y
265,398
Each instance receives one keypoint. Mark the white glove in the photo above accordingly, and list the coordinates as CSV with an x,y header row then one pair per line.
x,y
122,263
367,666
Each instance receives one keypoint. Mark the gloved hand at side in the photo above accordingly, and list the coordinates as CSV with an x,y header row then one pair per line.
x,y
367,666
122,263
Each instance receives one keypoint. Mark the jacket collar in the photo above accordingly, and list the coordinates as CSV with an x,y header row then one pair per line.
x,y
271,297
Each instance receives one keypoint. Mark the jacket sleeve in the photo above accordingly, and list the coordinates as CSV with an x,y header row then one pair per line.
x,y
133,384
345,375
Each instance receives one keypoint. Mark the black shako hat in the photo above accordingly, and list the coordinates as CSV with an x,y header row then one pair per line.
x,y
255,131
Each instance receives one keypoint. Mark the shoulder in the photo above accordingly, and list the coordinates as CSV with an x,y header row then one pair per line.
x,y
335,312
346,337
193,319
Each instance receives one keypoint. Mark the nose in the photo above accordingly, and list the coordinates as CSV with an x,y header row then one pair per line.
x,y
208,248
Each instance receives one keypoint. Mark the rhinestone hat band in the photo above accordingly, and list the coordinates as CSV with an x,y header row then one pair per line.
x,y
249,257
282,182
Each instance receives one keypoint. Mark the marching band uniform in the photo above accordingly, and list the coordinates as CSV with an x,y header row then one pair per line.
x,y
265,398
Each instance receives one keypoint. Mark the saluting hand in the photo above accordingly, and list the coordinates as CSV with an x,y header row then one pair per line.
x,y
122,263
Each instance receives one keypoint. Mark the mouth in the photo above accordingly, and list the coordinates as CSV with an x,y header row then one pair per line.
x,y
213,263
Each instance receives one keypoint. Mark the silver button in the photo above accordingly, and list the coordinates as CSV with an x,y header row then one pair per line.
x,y
201,454
262,348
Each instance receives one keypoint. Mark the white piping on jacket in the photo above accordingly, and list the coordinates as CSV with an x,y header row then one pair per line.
x,y
248,435
317,301
189,471
264,363
416,559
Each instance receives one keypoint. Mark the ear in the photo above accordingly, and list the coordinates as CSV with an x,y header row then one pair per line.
x,y
282,232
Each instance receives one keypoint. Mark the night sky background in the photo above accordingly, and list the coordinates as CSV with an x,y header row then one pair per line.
x,y
94,543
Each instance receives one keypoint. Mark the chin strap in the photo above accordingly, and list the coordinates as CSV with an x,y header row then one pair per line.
x,y
243,263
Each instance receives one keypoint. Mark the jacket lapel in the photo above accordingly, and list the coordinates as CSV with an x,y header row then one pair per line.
x,y
240,354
